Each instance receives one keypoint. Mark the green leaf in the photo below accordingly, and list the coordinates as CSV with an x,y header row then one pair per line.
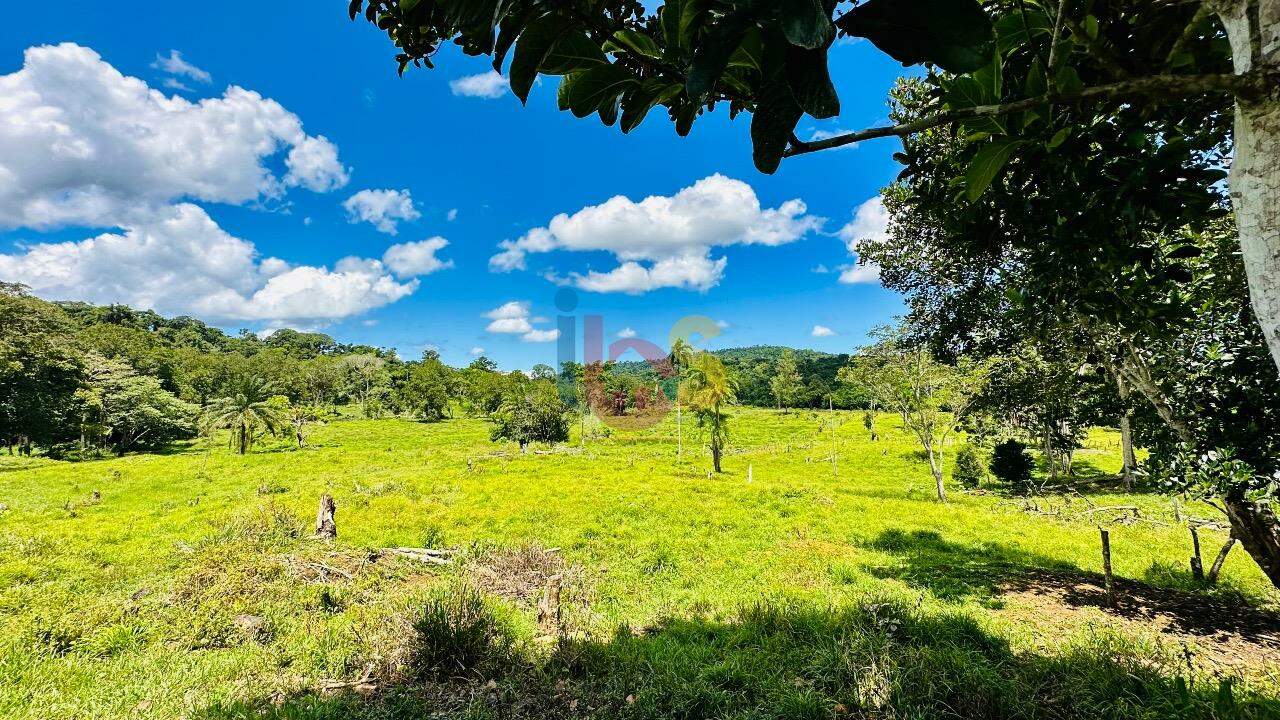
x,y
531,49
750,53
588,91
1036,85
637,103
805,23
634,43
986,164
1091,27
685,115
991,76
965,92
1068,81
1058,138
681,20
954,34
1017,28
573,52
712,55
775,116
810,82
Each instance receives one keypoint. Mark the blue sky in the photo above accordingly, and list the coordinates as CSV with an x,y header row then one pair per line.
x,y
233,210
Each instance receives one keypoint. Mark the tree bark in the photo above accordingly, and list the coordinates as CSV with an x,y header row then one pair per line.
x,y
1126,449
1255,526
326,526
1255,168
936,468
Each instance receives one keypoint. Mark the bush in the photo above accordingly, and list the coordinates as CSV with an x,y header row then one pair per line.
x,y
968,471
1011,464
536,414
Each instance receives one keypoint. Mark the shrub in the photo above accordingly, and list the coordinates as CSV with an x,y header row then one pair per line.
x,y
534,415
968,470
1011,464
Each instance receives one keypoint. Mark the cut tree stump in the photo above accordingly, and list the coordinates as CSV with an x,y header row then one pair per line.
x,y
326,527
549,605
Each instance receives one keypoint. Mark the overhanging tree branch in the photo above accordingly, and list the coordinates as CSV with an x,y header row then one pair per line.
x,y
1161,86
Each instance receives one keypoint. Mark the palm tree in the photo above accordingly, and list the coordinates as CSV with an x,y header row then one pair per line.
x,y
679,357
244,411
709,388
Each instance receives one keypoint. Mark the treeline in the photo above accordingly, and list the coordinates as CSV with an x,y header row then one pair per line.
x,y
77,380
810,379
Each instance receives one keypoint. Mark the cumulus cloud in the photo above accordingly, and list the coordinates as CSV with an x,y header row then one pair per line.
x,y
381,208
179,261
822,331
83,144
476,351
870,225
174,64
488,85
412,259
663,241
512,318
626,333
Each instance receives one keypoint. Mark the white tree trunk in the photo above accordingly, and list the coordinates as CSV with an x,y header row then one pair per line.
x,y
1255,169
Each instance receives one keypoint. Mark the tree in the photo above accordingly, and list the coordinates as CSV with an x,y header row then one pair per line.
x,y
40,370
366,372
246,411
680,355
785,382
708,390
931,397
134,410
427,390
1145,274
533,413
1085,64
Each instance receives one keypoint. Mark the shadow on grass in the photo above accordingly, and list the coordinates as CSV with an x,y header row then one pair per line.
x,y
956,572
875,661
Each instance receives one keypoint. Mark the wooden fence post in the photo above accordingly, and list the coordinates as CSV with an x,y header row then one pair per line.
x,y
1106,567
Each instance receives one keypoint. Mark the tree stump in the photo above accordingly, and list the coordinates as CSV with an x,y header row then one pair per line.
x,y
549,605
326,527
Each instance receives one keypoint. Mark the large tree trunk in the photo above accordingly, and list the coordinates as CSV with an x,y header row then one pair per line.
x,y
1126,449
1255,526
1255,168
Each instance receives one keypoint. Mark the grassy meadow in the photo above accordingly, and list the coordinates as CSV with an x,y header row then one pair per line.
x,y
185,584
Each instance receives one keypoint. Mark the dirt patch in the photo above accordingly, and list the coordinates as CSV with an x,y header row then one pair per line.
x,y
1216,634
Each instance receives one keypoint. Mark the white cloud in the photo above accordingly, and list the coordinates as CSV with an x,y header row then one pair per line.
x,y
541,336
382,208
178,261
663,241
821,269
626,333
476,351
451,215
865,273
174,64
822,331
870,225
487,85
175,84
412,259
722,324
512,318
82,144
822,134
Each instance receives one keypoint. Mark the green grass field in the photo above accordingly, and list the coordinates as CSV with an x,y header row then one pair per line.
x,y
804,588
